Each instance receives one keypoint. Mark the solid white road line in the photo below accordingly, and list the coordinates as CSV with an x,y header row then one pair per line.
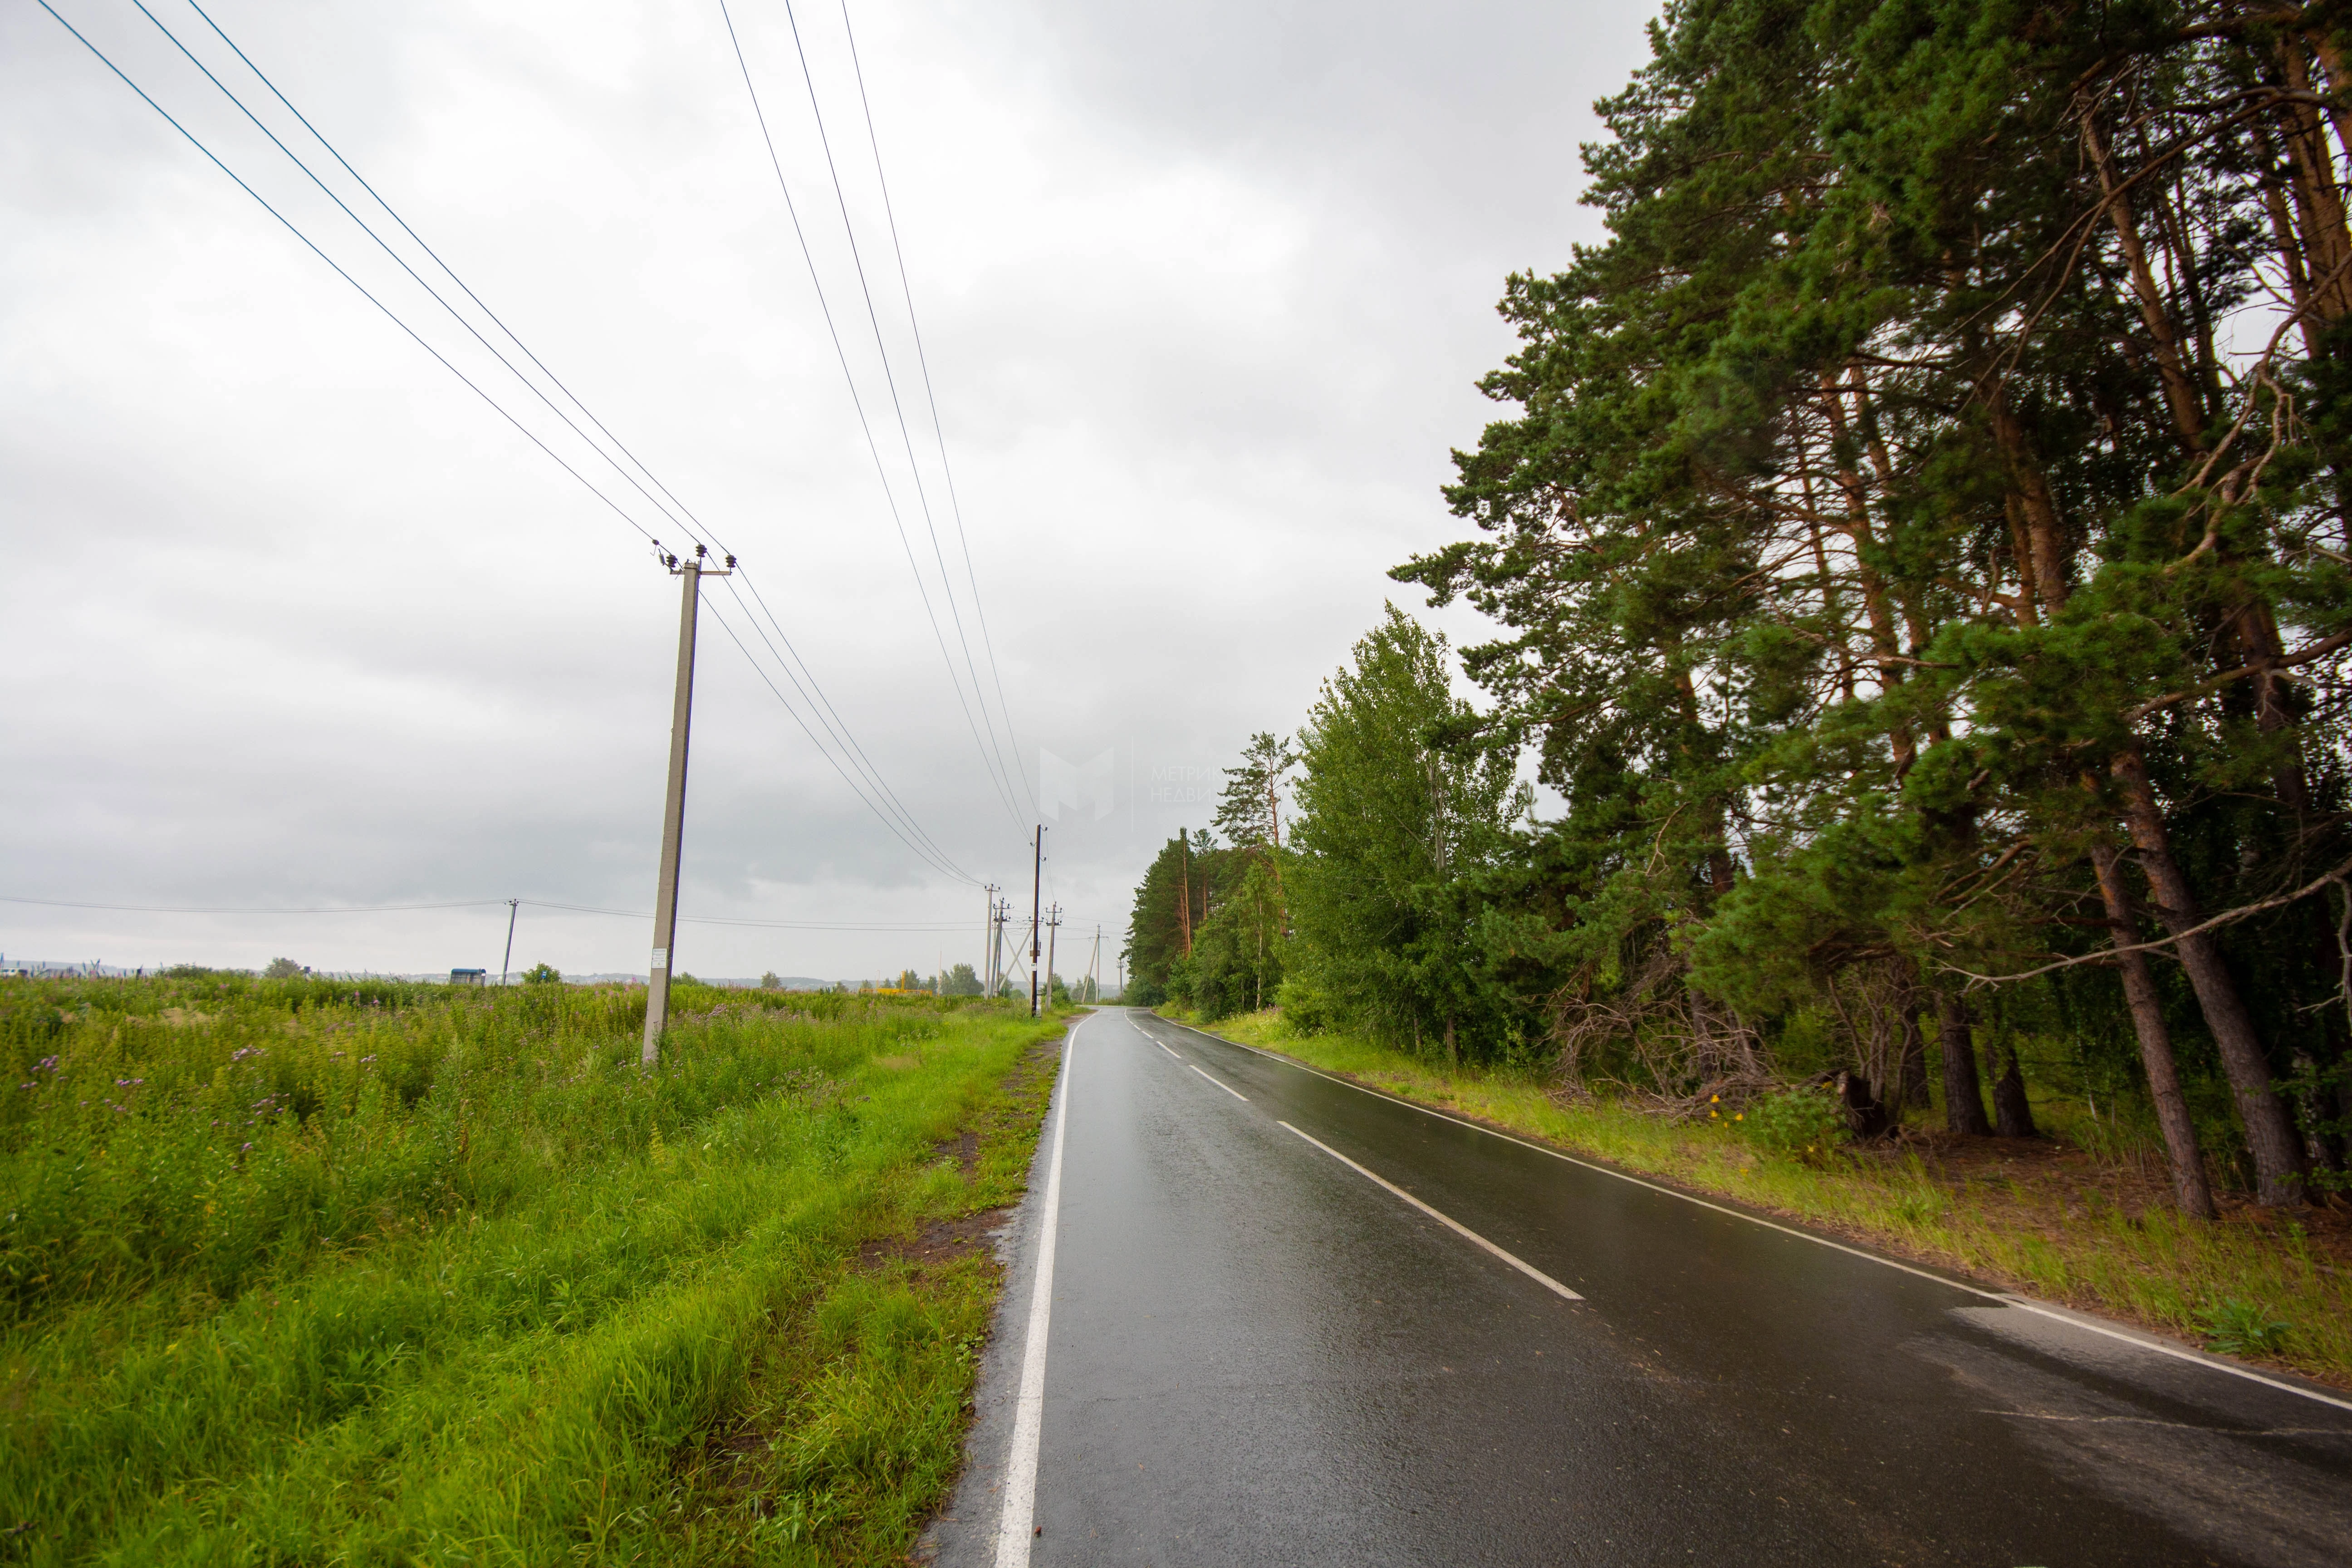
x,y
1237,1094
1529,1270
1015,1530
2004,1298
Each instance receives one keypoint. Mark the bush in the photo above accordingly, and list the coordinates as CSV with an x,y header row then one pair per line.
x,y
281,969
1306,1010
542,975
1801,1123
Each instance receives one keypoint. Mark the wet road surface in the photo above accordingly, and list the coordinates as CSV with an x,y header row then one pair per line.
x,y
1291,1321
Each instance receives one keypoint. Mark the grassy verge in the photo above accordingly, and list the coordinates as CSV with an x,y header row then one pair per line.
x,y
375,1273
2052,1218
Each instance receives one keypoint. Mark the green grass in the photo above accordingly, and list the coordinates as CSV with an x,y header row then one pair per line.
x,y
2058,1240
308,1271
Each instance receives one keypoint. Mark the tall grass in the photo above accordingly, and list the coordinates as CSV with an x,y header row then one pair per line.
x,y
2140,1262
309,1271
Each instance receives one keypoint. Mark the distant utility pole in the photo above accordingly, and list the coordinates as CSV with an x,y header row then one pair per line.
x,y
514,907
987,944
998,913
1184,874
1037,893
1094,969
681,719
1053,930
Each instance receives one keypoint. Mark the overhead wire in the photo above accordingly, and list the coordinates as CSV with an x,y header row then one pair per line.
x,y
931,395
920,843
401,262
749,581
858,402
846,735
837,727
389,313
820,701
889,377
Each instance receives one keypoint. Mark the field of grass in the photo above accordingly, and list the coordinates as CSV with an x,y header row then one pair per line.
x,y
311,1271
2059,1219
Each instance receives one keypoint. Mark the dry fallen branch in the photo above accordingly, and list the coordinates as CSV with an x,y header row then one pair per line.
x,y
2106,954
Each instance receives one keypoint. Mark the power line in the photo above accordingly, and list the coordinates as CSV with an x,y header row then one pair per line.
x,y
931,395
389,313
932,854
858,402
839,728
458,316
882,350
398,260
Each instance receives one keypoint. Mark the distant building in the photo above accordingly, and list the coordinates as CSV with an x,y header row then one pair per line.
x,y
467,976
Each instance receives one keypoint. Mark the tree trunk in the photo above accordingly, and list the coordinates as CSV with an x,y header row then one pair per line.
x,y
2172,369
2187,1161
1964,1109
2269,1133
2048,548
2315,1145
1913,1088
2012,1113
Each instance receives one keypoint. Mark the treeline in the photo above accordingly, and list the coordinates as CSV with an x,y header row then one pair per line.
x,y
1918,539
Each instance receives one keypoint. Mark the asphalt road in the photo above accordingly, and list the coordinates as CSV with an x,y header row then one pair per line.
x,y
1253,1350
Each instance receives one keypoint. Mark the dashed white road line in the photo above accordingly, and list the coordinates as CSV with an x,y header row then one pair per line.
x,y
1522,1265
1237,1094
2005,1298
1163,1048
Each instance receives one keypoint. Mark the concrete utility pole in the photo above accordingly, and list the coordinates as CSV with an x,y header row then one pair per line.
x,y
1053,930
995,945
1037,893
1184,874
514,907
987,948
681,717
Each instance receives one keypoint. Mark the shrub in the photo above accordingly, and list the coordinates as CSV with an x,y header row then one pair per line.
x,y
1800,1123
1306,1009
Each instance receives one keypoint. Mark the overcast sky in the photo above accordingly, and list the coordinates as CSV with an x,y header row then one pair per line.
x,y
293,618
